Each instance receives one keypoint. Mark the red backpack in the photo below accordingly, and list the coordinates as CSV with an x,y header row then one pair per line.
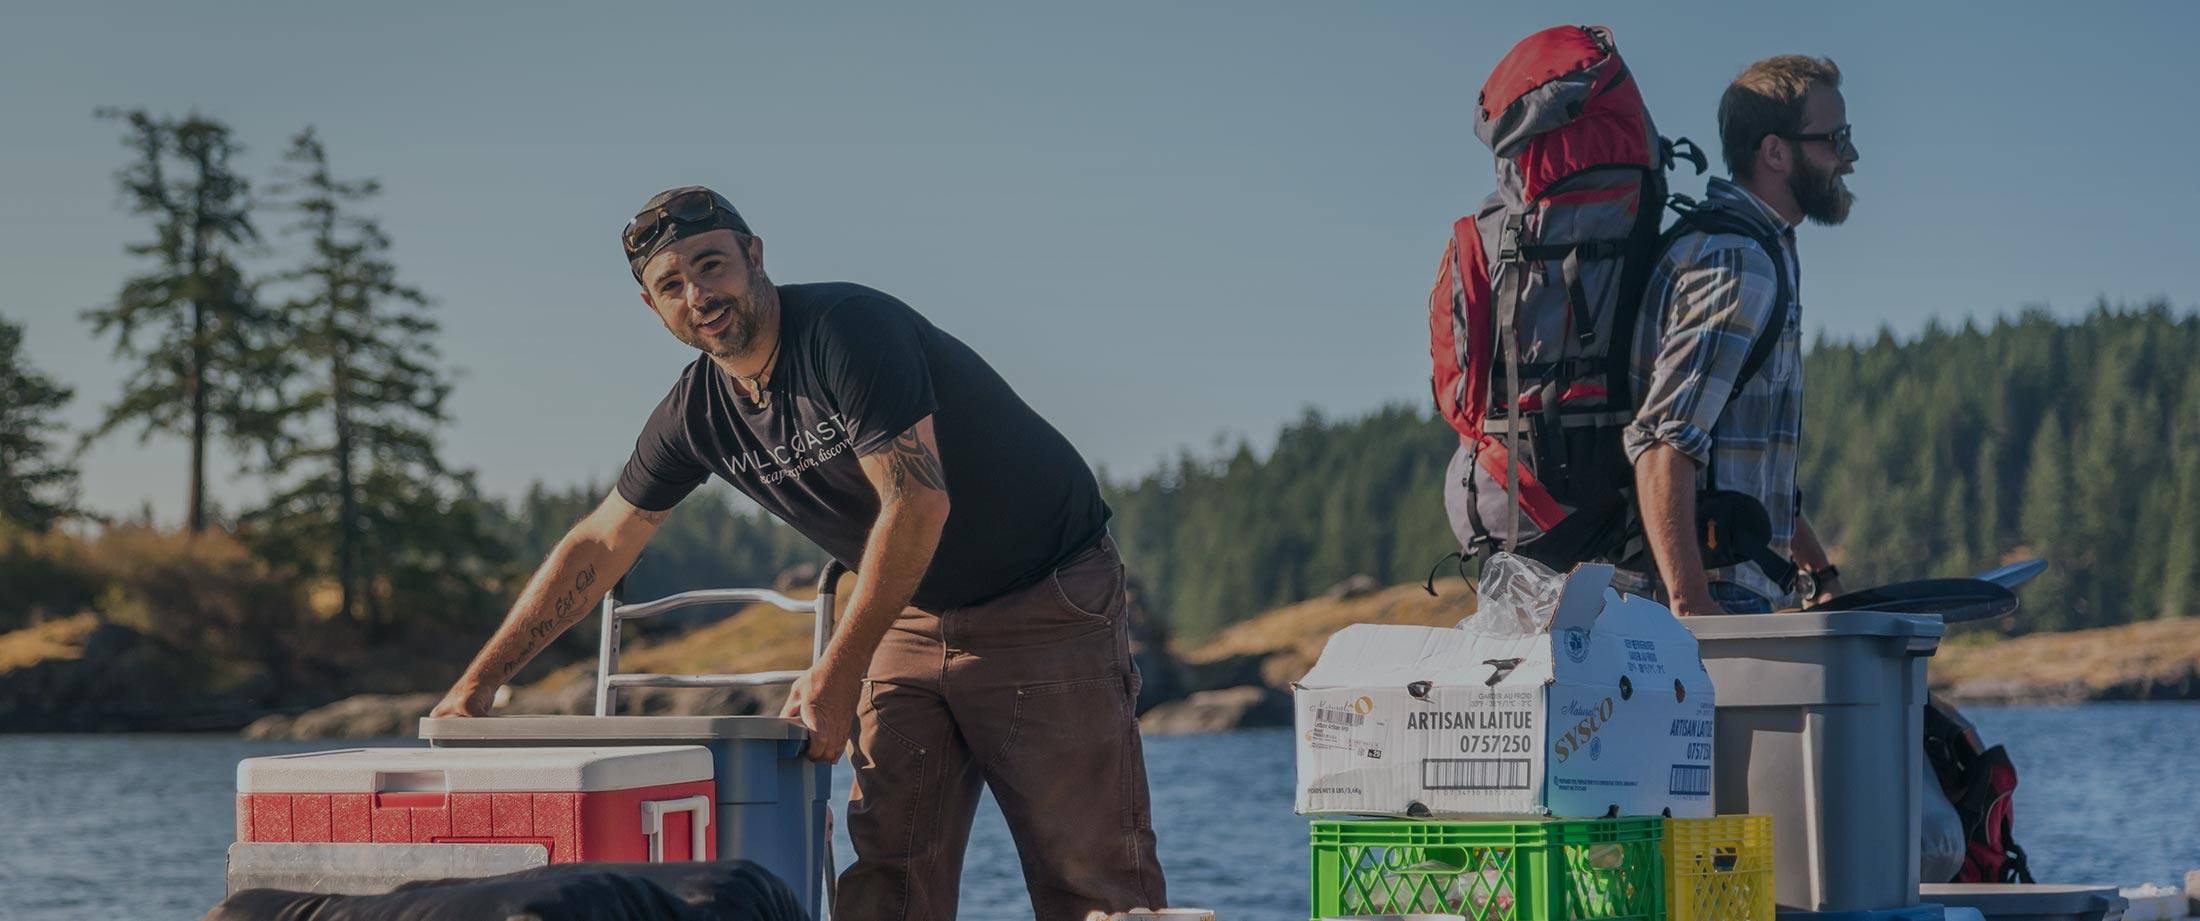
x,y
1533,316
1981,783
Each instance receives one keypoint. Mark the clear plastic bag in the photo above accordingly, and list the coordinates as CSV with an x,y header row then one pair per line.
x,y
1940,853
1518,596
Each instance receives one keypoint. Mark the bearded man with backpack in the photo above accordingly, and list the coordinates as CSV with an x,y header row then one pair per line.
x,y
1720,365
1626,392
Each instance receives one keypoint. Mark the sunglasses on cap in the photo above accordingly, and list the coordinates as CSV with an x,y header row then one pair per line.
x,y
689,208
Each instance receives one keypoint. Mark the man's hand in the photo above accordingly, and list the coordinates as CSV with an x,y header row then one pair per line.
x,y
466,700
1665,482
826,706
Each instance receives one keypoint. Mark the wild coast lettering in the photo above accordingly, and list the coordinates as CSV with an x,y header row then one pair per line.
x,y
804,449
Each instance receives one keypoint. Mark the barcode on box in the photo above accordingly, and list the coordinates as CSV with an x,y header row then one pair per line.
x,y
1691,780
1338,716
1474,773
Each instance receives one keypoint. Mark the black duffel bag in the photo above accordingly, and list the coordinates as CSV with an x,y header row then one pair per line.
x,y
734,890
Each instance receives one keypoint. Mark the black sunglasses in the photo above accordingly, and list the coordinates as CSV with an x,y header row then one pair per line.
x,y
1839,137
697,207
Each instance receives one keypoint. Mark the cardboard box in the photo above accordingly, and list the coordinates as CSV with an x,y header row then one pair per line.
x,y
1609,708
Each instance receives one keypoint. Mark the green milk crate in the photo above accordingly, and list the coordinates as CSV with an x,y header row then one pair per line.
x,y
1536,870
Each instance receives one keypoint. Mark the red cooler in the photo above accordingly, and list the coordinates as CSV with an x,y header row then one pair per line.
x,y
640,803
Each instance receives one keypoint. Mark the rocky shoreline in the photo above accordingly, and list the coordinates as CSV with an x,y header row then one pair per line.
x,y
2153,660
1239,678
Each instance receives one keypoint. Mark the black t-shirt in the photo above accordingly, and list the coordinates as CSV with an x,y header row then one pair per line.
x,y
856,369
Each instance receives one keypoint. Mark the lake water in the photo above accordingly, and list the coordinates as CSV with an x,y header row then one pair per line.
x,y
136,826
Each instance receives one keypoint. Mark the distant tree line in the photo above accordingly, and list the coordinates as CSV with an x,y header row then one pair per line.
x,y
2075,441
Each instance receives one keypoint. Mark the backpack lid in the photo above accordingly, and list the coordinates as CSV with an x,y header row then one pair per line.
x,y
1541,58
1545,81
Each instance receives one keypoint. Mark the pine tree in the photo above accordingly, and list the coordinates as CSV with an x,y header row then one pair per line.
x,y
205,353
2046,520
1986,520
372,503
36,487
2181,542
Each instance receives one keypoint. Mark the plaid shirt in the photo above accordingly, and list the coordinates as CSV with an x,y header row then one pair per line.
x,y
1712,294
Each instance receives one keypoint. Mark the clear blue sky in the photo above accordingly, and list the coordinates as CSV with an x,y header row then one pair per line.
x,y
1162,224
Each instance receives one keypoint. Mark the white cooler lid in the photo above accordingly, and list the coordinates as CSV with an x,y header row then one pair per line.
x,y
475,770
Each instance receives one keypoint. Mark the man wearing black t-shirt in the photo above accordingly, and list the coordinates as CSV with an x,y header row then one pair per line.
x,y
985,641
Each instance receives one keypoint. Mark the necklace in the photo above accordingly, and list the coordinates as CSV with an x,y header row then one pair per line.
x,y
757,394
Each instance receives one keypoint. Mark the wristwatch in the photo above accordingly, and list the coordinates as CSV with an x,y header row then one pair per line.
x,y
1814,579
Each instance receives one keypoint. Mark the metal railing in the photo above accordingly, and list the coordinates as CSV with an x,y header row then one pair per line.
x,y
609,680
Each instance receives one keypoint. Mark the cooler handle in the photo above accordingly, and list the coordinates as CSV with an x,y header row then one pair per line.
x,y
609,679
653,824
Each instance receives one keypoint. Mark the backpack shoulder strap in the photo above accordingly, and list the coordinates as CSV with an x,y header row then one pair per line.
x,y
1712,217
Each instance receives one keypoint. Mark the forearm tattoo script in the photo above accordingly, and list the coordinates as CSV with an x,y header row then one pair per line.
x,y
564,611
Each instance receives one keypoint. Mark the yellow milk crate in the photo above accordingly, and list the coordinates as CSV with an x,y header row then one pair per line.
x,y
1719,869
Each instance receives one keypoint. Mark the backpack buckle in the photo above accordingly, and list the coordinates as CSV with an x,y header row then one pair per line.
x,y
1508,241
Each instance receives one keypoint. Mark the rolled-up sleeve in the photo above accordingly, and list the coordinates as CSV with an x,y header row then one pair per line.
x,y
1717,306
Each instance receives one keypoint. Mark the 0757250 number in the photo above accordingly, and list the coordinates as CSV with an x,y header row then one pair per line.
x,y
1496,745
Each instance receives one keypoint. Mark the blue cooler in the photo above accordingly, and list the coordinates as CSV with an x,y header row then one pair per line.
x,y
772,803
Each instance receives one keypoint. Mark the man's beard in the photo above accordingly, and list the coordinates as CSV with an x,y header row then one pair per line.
x,y
738,338
1819,194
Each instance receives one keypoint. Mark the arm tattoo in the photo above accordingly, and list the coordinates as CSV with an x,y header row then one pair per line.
x,y
909,460
564,611
652,517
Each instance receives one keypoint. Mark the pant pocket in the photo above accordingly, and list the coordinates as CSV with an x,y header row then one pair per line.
x,y
872,716
894,784
1091,587
1079,736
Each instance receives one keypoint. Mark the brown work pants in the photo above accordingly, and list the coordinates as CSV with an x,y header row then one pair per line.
x,y
1032,694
